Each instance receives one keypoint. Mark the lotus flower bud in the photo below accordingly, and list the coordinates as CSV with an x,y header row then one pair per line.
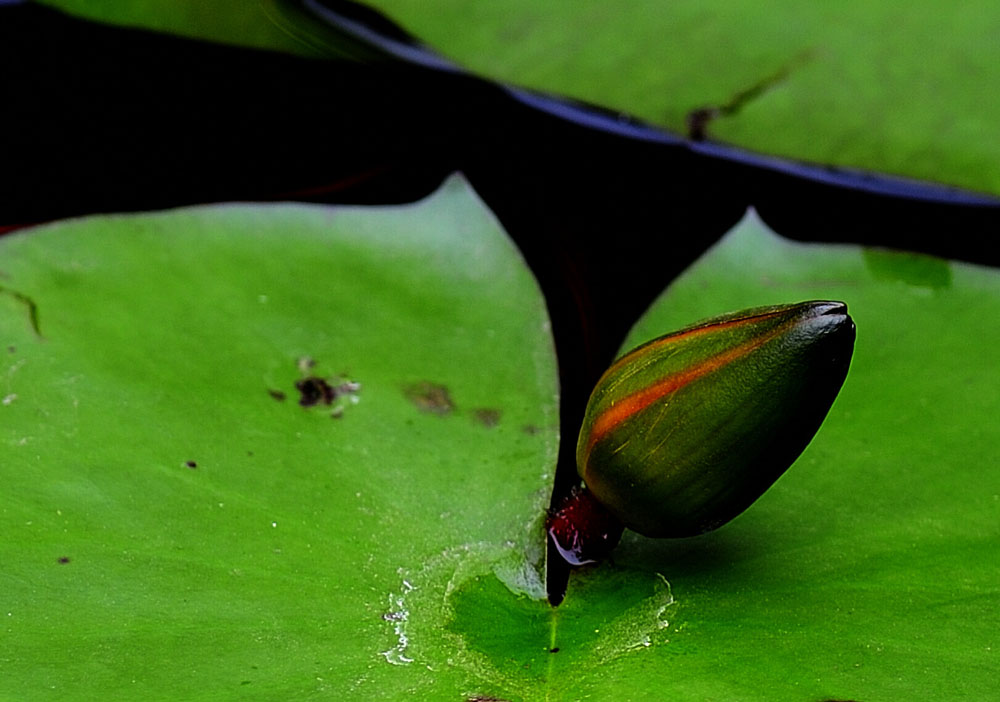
x,y
686,431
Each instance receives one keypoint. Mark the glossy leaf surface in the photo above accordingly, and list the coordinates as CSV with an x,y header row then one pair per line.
x,y
343,546
177,526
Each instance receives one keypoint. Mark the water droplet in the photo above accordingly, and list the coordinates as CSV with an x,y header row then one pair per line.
x,y
399,615
418,607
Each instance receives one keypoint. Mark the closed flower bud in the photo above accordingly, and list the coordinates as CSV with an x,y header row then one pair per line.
x,y
685,432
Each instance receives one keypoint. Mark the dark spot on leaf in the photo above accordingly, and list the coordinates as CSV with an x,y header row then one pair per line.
x,y
914,269
313,391
698,120
530,429
554,650
191,464
276,394
30,306
64,559
487,417
430,397
11,349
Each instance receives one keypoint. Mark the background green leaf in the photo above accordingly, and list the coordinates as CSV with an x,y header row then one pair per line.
x,y
884,86
293,557
900,89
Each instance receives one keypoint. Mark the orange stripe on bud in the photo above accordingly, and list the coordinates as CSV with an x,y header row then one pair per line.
x,y
638,401
694,332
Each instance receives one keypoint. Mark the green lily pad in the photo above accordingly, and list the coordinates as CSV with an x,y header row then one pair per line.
x,y
177,526
875,85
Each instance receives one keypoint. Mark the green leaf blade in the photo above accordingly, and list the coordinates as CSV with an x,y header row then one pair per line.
x,y
272,564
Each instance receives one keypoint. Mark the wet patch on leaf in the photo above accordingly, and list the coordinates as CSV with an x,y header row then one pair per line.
x,y
492,605
590,628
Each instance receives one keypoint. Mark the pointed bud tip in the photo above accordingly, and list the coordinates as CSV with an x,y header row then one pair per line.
x,y
830,307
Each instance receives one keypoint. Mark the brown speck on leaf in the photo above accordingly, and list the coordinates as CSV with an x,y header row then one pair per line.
x,y
530,429
698,121
64,559
486,416
430,397
276,394
191,464
313,391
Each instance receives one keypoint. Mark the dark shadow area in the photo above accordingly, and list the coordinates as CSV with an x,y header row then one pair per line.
x,y
100,119
697,557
